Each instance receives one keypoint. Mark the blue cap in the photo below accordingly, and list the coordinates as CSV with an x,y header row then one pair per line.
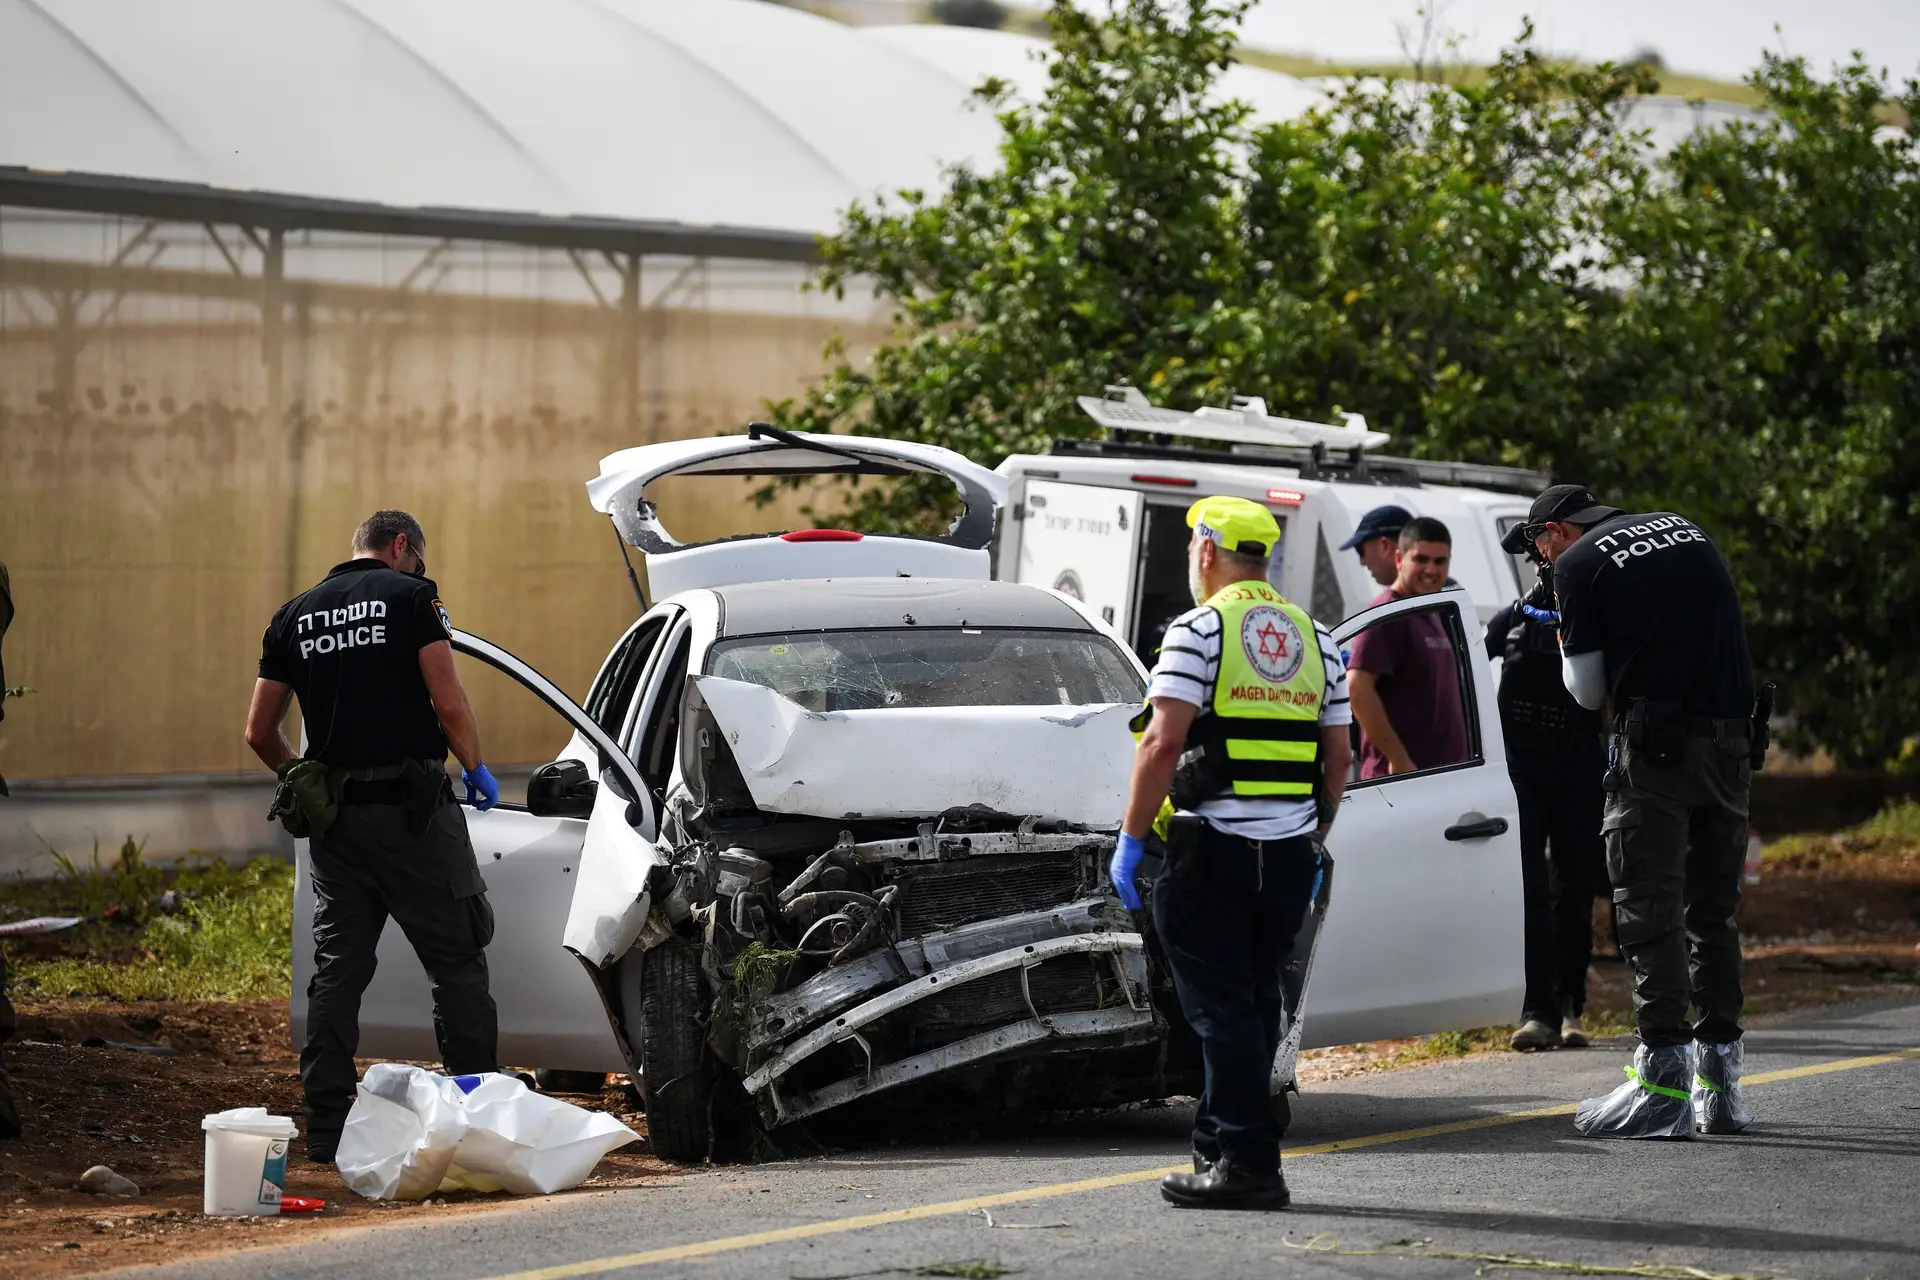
x,y
1381,522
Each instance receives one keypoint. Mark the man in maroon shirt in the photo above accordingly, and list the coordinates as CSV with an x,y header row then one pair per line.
x,y
1403,675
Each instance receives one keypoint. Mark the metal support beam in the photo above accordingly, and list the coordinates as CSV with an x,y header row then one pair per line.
x,y
233,263
126,250
620,359
586,273
196,202
112,309
67,342
273,414
680,277
426,262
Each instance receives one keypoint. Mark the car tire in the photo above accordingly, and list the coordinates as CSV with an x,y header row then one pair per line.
x,y
669,1036
555,1080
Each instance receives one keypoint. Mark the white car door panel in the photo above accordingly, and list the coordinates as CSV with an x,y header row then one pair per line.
x,y
550,1013
1424,930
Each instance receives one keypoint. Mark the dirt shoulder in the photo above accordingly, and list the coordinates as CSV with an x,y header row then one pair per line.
x,y
139,1113
1834,920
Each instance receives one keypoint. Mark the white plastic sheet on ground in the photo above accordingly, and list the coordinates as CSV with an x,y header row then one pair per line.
x,y
412,1133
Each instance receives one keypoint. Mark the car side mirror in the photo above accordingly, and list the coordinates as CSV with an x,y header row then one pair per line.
x,y
636,814
563,789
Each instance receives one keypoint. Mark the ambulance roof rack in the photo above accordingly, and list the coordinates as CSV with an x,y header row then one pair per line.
x,y
1125,410
1247,422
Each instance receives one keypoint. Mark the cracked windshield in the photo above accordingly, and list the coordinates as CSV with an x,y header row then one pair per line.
x,y
921,667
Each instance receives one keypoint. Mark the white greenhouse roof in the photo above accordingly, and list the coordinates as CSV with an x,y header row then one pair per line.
x,y
701,113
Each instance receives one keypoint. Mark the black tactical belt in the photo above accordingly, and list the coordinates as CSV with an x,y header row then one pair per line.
x,y
1699,726
385,791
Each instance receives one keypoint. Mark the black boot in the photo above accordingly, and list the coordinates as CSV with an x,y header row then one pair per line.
x,y
321,1146
1202,1161
1226,1187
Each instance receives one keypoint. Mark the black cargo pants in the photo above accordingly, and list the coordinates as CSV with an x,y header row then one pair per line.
x,y
1676,845
1563,868
1227,916
368,866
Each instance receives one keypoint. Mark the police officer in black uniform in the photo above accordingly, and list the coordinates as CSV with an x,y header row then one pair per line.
x,y
1650,628
369,654
1555,758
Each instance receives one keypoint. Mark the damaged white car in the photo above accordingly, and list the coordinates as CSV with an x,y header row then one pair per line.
x,y
834,821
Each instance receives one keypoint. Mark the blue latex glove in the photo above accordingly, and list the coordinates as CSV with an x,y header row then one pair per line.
x,y
1126,861
482,791
1548,616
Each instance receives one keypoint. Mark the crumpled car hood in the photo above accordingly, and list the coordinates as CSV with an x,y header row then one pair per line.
x,y
1065,764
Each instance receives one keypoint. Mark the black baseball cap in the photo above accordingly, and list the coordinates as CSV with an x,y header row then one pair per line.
x,y
1569,504
1381,522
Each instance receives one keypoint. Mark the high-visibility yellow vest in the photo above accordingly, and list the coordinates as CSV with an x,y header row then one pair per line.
x,y
1261,734
1266,703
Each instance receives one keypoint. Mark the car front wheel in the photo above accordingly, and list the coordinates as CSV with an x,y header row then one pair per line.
x,y
664,1006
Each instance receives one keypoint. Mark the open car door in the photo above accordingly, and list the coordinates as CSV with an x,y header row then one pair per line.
x,y
1080,539
1424,930
551,1012
672,566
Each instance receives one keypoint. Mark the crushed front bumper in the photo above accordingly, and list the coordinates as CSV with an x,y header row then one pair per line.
x,y
829,1010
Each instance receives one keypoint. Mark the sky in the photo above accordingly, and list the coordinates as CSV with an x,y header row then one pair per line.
x,y
1722,38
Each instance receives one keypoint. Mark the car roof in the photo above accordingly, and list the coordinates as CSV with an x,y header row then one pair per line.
x,y
835,604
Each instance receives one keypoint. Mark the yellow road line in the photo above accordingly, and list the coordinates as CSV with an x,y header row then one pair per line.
x,y
947,1208
1842,1064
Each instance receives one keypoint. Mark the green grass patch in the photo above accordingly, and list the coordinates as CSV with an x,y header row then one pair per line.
x,y
1898,821
1458,1044
202,932
1894,832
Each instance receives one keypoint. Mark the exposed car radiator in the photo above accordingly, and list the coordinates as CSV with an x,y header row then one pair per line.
x,y
944,895
1068,984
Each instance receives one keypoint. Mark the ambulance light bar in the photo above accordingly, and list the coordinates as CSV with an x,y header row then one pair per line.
x,y
1247,422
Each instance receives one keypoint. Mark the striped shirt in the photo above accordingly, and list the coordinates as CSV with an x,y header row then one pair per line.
x,y
1186,669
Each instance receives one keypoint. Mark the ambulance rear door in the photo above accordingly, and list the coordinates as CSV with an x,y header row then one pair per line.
x,y
1081,539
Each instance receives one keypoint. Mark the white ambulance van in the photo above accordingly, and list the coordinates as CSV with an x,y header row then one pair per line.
x,y
1105,520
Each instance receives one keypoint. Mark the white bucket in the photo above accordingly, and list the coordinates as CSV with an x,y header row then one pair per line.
x,y
246,1168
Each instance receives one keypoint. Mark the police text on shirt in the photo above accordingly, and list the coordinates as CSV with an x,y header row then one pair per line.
x,y
1644,539
341,632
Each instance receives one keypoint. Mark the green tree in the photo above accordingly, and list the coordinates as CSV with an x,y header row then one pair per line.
x,y
1101,249
1494,272
1775,340
1437,258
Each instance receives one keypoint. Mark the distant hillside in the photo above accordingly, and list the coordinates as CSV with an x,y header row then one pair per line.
x,y
1674,82
1030,19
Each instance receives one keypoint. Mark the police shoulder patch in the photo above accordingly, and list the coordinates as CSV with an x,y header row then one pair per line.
x,y
445,621
1272,643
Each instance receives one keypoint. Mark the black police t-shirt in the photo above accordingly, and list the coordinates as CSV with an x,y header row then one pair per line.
x,y
1652,593
350,647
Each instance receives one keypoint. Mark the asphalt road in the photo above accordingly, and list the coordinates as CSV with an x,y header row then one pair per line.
x,y
1827,1184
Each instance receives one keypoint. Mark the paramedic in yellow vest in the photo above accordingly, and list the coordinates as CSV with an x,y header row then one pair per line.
x,y
1246,730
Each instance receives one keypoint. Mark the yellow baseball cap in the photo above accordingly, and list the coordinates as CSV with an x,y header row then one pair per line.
x,y
1235,524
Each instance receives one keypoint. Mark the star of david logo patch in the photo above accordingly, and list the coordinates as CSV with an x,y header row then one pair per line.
x,y
1272,643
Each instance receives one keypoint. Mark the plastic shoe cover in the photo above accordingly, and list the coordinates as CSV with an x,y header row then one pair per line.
x,y
1717,1104
1655,1102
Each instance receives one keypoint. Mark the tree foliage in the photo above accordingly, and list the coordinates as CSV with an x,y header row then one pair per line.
x,y
1496,272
